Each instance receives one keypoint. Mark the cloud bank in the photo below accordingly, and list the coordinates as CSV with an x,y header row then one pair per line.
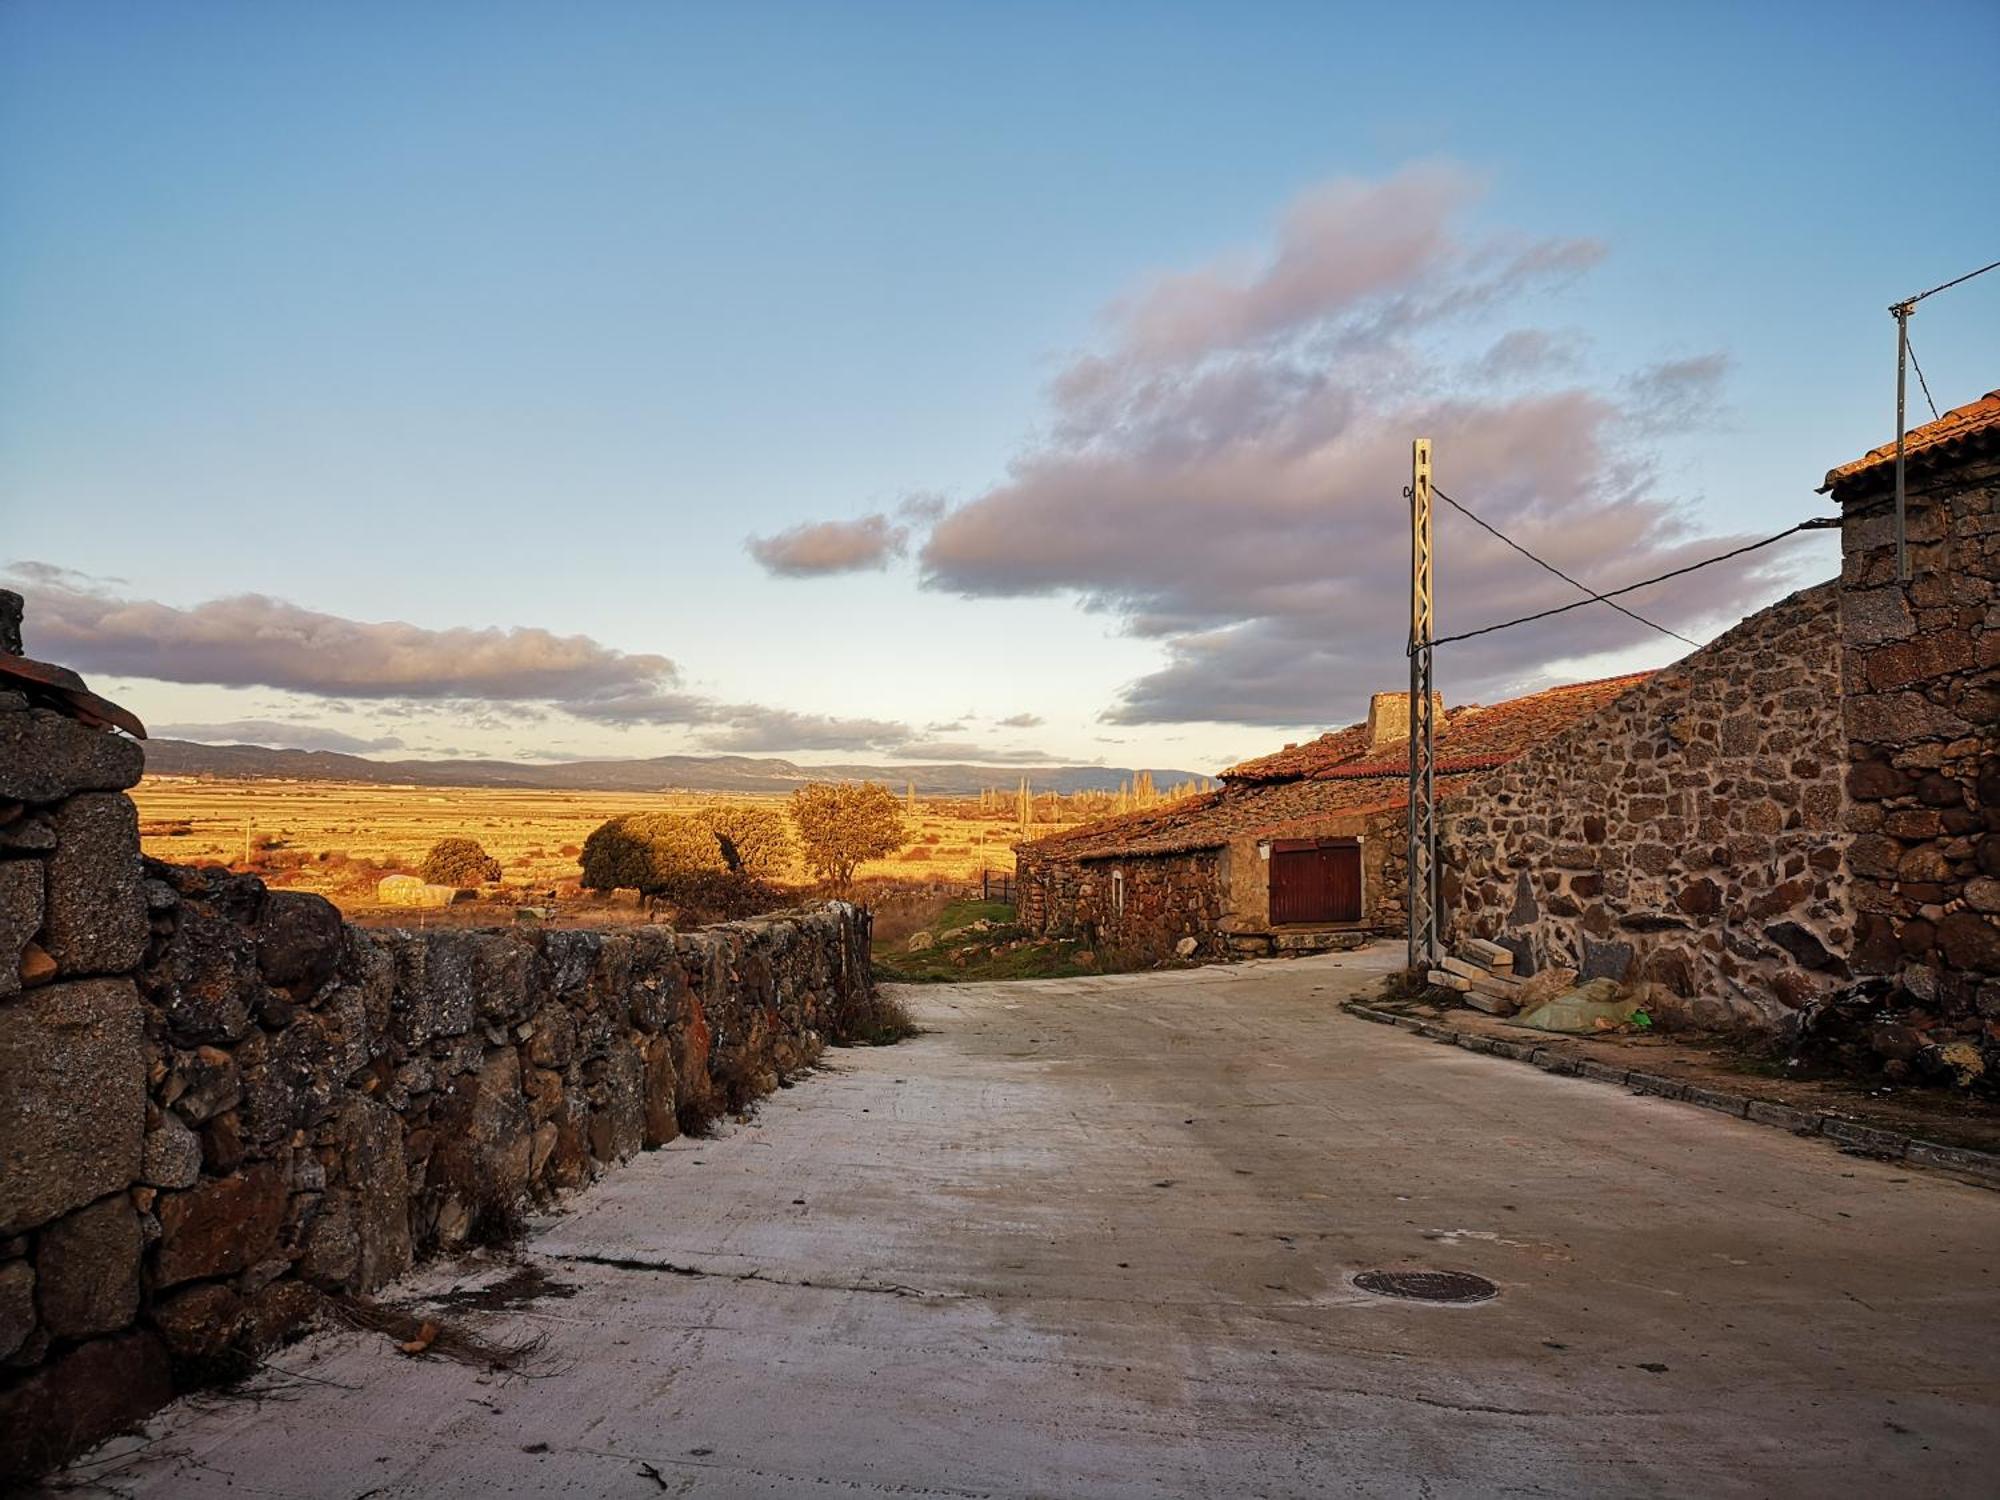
x,y
493,680
1223,472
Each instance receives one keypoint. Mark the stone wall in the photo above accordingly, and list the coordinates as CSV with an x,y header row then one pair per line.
x,y
1923,723
1165,897
218,1101
1691,835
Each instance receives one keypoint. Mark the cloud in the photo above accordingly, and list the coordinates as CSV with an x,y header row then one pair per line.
x,y
1223,473
1020,721
490,679
822,547
275,732
751,729
957,750
253,640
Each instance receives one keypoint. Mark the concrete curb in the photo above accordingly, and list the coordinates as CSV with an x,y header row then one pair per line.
x,y
1887,1145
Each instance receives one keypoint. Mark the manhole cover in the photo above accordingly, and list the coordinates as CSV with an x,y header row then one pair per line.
x,y
1428,1286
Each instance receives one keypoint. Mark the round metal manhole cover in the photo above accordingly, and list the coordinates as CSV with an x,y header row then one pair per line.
x,y
1428,1286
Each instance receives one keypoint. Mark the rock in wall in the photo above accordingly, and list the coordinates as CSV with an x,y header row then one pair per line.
x,y
1690,835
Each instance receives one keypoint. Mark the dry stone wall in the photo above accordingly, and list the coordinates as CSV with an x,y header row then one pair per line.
x,y
1691,835
1139,908
1923,720
218,1101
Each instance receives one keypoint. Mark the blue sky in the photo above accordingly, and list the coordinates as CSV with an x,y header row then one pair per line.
x,y
492,316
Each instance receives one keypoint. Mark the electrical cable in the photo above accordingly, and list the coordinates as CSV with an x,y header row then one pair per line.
x,y
1911,349
1818,523
1947,286
1552,568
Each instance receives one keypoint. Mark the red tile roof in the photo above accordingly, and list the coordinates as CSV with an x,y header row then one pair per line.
x,y
1468,738
1330,749
1333,776
1977,421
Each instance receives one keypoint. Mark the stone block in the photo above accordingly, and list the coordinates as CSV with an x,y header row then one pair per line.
x,y
21,883
661,1124
96,920
201,1323
46,756
80,1397
298,941
171,1157
373,1164
1605,961
618,1118
480,1166
225,1225
17,1306
72,1098
88,1267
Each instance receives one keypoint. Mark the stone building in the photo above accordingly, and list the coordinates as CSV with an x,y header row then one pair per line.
x,y
1688,835
1299,850
1922,719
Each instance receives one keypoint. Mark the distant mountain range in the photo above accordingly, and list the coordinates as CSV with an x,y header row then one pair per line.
x,y
661,773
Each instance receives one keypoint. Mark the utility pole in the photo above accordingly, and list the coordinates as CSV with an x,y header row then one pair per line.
x,y
1901,313
1423,872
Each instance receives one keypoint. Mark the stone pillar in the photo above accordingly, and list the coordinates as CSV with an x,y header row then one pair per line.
x,y
73,1060
1921,673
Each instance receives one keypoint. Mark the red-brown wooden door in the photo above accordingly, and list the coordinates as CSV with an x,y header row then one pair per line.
x,y
1315,880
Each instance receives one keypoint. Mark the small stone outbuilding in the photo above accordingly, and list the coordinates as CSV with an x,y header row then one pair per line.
x,y
1298,851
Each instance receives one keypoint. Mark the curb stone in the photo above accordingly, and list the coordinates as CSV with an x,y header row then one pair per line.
x,y
1982,1167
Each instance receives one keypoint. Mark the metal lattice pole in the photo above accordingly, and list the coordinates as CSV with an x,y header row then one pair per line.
x,y
1423,872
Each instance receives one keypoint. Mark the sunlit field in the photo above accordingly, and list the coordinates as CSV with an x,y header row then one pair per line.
x,y
339,839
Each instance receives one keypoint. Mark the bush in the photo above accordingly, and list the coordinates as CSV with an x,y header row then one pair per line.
x,y
681,860
459,862
843,823
647,852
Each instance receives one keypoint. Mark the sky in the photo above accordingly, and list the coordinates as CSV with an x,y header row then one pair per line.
x,y
934,381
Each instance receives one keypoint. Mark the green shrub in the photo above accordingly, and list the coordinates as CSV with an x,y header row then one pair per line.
x,y
459,862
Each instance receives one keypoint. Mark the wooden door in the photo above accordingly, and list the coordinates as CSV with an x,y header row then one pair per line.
x,y
1315,880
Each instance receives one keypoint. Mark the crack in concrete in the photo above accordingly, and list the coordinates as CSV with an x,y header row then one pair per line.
x,y
674,1268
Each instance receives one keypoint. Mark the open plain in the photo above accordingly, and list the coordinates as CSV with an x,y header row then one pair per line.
x,y
337,839
1100,1237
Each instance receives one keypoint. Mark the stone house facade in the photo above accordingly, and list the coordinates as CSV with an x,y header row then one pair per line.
x,y
1922,718
1297,851
1689,835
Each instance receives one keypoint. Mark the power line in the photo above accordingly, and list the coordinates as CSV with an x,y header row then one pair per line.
x,y
1818,523
1551,567
1911,350
1947,286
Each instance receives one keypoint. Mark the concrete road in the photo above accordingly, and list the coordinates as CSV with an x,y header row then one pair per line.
x,y
1096,1237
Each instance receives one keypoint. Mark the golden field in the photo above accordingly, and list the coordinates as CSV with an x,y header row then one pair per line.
x,y
338,838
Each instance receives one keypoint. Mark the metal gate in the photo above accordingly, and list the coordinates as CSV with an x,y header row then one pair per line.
x,y
1315,880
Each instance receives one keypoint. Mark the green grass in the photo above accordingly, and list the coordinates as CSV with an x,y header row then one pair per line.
x,y
984,960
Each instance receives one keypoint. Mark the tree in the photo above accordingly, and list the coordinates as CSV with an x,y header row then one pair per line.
x,y
756,836
842,823
459,862
648,852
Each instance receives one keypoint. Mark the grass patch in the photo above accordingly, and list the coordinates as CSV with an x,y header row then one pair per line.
x,y
960,950
883,1022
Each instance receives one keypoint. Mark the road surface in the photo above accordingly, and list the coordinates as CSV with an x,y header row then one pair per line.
x,y
1097,1237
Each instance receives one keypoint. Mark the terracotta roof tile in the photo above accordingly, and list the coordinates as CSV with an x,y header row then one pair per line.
x,y
1331,777
1962,424
1293,761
